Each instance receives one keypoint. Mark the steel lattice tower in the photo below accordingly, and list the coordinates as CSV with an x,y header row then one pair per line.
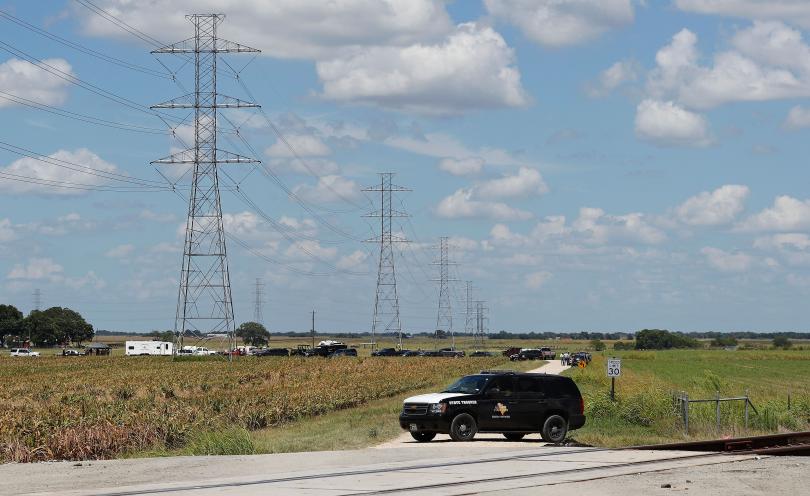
x,y
258,301
386,302
480,322
204,303
469,315
444,317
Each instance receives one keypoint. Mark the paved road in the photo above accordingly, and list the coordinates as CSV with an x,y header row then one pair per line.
x,y
437,470
493,440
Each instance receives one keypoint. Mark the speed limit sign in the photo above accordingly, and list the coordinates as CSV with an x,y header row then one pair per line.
x,y
614,367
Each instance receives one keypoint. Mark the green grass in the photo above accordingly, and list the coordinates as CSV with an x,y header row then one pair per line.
x,y
644,412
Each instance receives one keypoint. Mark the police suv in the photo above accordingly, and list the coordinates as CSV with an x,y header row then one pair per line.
x,y
513,404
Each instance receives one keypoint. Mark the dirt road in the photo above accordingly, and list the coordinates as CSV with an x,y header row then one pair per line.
x,y
532,440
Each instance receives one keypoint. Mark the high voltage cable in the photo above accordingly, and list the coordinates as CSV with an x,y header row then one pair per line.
x,y
81,83
82,48
80,117
84,169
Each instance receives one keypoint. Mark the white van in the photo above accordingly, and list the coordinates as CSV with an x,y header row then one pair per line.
x,y
160,348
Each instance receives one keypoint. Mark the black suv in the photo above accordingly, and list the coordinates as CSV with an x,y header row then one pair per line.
x,y
510,403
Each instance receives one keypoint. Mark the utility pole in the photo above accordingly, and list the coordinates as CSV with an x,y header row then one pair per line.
x,y
444,317
386,300
312,331
37,299
258,292
204,303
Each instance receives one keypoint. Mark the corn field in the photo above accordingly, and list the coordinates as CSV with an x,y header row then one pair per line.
x,y
80,408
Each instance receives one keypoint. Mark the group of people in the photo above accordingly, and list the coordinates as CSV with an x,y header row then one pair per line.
x,y
565,358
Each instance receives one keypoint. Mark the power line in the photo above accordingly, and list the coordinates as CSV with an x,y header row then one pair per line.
x,y
81,48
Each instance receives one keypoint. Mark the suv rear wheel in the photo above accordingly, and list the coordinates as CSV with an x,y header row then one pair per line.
x,y
463,427
423,437
554,429
513,436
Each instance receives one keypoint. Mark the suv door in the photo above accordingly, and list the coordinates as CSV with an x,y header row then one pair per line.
x,y
531,403
497,403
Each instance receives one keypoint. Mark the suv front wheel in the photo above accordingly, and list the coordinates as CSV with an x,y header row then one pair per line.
x,y
463,427
554,429
423,437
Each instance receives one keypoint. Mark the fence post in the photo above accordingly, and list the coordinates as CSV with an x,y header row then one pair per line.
x,y
686,412
718,410
746,409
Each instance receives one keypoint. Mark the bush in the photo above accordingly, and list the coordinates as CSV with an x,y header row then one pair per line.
x,y
620,345
598,345
782,342
723,341
656,339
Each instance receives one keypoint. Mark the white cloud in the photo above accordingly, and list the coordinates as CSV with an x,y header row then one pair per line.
x,y
798,241
284,28
462,205
711,208
536,280
304,145
472,68
525,183
727,261
797,118
352,260
7,231
148,214
558,23
308,166
240,224
667,124
769,63
793,11
621,72
36,269
328,189
600,228
306,249
26,80
120,251
84,172
786,214
462,166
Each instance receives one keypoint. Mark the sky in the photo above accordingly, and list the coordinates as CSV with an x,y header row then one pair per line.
x,y
604,165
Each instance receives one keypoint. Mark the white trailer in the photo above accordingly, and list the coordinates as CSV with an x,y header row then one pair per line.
x,y
159,348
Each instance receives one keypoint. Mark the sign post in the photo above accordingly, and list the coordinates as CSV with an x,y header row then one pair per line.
x,y
614,370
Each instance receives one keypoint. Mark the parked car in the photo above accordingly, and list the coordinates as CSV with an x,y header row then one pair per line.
x,y
527,354
513,404
70,352
23,352
482,354
548,353
385,352
345,352
272,352
411,353
452,353
431,353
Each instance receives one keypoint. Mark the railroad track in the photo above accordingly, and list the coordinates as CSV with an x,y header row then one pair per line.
x,y
789,444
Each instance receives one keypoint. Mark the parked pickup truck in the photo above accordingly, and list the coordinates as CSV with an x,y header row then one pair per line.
x,y
548,353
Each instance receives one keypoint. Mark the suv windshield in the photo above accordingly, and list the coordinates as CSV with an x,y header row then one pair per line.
x,y
472,384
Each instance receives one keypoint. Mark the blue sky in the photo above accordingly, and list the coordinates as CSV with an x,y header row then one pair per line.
x,y
606,165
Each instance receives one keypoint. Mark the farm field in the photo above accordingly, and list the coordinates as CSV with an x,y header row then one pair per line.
x,y
644,411
107,407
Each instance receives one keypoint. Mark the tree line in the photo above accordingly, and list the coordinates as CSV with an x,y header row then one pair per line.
x,y
55,326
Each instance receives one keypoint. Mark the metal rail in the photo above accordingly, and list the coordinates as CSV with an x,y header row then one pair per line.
x,y
793,443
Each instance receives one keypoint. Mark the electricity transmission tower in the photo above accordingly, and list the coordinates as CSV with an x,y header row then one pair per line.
x,y
386,302
469,314
37,299
258,293
204,303
444,318
480,323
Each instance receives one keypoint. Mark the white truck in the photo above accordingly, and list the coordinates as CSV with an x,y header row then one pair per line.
x,y
197,350
23,352
159,348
